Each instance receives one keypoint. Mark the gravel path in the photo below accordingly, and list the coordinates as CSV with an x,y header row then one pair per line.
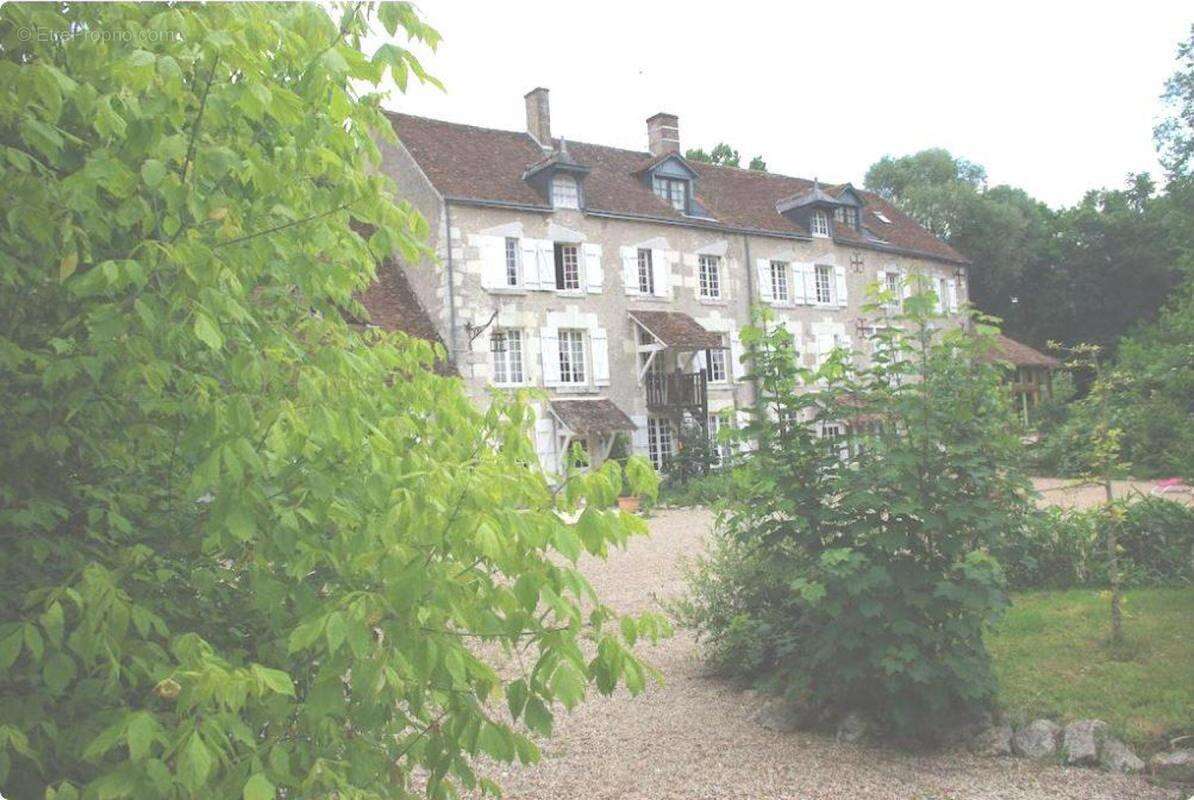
x,y
692,737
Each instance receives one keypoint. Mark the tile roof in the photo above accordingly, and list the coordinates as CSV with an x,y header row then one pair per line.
x,y
1005,348
677,329
486,165
393,306
592,415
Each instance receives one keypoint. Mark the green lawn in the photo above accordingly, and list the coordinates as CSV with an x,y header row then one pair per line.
x,y
1051,660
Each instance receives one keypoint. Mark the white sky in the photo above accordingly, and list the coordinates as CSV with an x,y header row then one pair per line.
x,y
1054,97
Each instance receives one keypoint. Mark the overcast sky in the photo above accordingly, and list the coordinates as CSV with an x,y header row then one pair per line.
x,y
1054,97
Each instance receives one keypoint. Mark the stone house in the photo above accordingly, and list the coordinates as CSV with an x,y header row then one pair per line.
x,y
618,281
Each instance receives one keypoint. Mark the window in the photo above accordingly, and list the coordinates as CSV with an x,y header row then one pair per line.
x,y
567,267
646,272
675,192
891,283
716,362
779,281
659,442
879,215
846,215
839,445
511,261
824,284
819,225
710,276
943,295
572,356
564,192
505,345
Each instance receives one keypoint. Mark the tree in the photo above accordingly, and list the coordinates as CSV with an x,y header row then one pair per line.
x,y
725,156
1175,134
247,547
758,164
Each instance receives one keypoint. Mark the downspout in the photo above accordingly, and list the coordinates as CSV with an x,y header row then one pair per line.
x,y
451,286
750,295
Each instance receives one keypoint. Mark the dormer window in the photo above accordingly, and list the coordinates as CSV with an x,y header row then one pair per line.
x,y
564,192
847,215
819,224
675,192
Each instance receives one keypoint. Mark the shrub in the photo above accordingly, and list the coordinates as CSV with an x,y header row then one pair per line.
x,y
853,573
1062,548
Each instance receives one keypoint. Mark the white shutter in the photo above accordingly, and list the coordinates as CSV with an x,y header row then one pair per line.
x,y
546,258
808,277
630,269
530,264
839,274
798,290
953,295
638,439
824,346
600,344
549,348
763,271
662,267
594,275
545,438
493,261
737,368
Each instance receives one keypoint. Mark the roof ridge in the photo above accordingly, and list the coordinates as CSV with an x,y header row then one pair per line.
x,y
393,114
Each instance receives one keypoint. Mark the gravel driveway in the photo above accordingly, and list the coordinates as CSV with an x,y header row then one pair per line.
x,y
692,737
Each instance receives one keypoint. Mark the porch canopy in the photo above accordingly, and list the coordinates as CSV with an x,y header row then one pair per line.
x,y
678,331
1005,348
587,416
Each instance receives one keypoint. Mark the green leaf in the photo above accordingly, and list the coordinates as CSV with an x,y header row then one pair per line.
x,y
10,648
58,671
275,679
336,631
516,697
196,763
207,332
538,717
68,265
153,172
258,787
140,734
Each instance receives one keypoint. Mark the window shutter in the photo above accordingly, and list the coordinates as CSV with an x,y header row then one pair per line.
x,y
737,368
630,269
599,340
549,347
493,261
763,271
594,274
953,296
824,347
839,274
662,266
808,278
796,284
547,264
530,264
545,443
639,437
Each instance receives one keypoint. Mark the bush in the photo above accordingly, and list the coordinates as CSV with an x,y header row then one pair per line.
x,y
853,573
706,490
1062,549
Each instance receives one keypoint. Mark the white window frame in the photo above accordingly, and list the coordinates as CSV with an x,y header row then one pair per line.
x,y
673,191
891,280
565,192
646,271
942,295
660,443
709,274
509,364
824,283
720,451
818,224
562,270
718,365
781,279
573,357
513,262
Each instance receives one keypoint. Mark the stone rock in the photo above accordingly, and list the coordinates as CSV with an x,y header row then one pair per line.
x,y
852,728
995,740
1177,766
784,716
1116,756
1081,740
1037,739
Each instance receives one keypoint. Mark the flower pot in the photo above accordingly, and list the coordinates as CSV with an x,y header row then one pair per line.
x,y
629,504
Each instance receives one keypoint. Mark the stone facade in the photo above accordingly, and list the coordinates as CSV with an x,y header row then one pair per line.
x,y
468,303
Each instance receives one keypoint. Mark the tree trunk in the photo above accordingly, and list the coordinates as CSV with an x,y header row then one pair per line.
x,y
1113,565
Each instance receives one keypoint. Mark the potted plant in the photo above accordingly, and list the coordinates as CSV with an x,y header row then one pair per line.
x,y
619,451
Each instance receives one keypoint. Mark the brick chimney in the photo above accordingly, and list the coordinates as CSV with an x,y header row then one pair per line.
x,y
663,134
539,116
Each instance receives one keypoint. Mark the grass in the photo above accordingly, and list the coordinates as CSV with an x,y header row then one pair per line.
x,y
1053,660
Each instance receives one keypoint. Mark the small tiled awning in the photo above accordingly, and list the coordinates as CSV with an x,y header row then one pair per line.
x,y
1005,348
591,415
677,330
